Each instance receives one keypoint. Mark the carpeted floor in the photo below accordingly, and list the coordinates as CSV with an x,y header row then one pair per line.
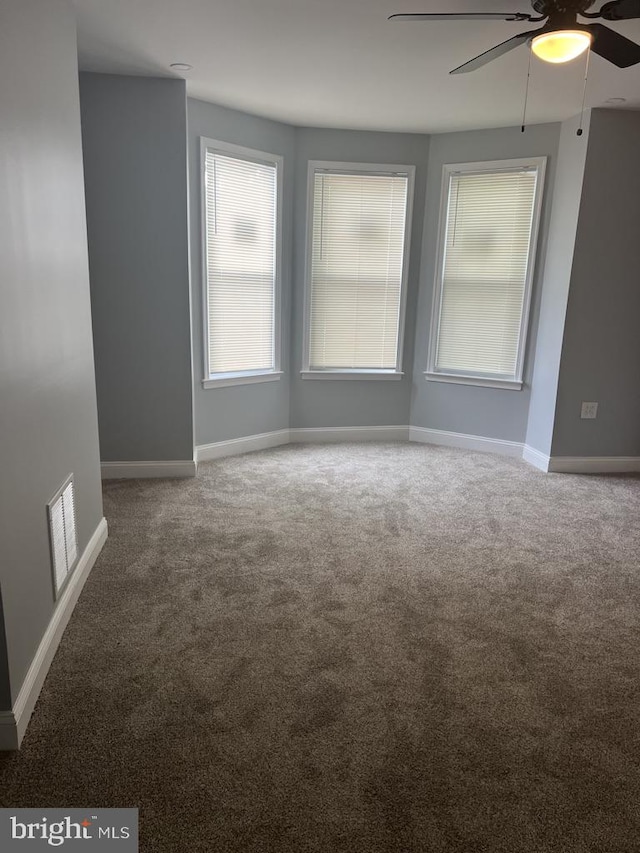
x,y
354,649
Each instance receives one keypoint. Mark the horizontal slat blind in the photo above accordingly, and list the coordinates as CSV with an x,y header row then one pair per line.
x,y
486,255
358,237
241,235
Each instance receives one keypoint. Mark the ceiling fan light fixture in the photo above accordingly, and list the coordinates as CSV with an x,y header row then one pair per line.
x,y
561,45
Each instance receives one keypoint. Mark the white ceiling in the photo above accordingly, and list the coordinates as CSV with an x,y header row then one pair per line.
x,y
340,63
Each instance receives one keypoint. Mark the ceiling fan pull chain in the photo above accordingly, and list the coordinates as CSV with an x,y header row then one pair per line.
x,y
584,91
526,97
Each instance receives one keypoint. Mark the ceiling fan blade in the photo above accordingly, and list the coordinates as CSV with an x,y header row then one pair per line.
x,y
462,16
610,45
494,52
620,10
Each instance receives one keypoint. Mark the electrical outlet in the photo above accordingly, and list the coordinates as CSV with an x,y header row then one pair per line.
x,y
589,410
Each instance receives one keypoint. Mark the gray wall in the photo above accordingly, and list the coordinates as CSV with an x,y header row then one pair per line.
x,y
135,157
238,410
336,403
601,350
48,423
5,683
567,193
134,128
475,410
245,410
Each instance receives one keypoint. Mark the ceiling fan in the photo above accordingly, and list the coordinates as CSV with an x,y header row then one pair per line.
x,y
561,38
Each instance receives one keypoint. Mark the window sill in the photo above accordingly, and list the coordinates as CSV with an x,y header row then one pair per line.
x,y
455,379
241,379
351,374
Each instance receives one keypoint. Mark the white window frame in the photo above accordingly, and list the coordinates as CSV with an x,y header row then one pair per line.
x,y
243,377
335,167
468,378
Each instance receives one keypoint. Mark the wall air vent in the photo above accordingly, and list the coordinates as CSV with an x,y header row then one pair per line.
x,y
61,512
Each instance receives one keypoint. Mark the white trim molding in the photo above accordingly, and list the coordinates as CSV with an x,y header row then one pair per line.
x,y
265,440
454,378
465,441
13,724
536,458
581,464
422,435
594,464
226,379
144,470
246,444
352,374
330,434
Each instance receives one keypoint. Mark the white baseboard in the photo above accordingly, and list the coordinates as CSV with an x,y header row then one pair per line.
x,y
372,433
235,446
536,458
594,464
465,442
142,470
13,724
581,464
265,440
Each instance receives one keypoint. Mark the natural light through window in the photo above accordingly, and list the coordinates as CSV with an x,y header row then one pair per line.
x,y
489,225
241,247
357,267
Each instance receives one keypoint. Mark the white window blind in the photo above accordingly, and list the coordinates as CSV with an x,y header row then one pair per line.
x,y
241,255
356,270
491,219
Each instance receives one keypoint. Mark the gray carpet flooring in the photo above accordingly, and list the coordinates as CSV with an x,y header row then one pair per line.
x,y
358,649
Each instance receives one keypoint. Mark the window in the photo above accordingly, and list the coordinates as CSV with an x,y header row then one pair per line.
x,y
357,259
488,233
241,223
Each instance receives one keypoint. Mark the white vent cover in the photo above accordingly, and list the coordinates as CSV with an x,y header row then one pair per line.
x,y
62,532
